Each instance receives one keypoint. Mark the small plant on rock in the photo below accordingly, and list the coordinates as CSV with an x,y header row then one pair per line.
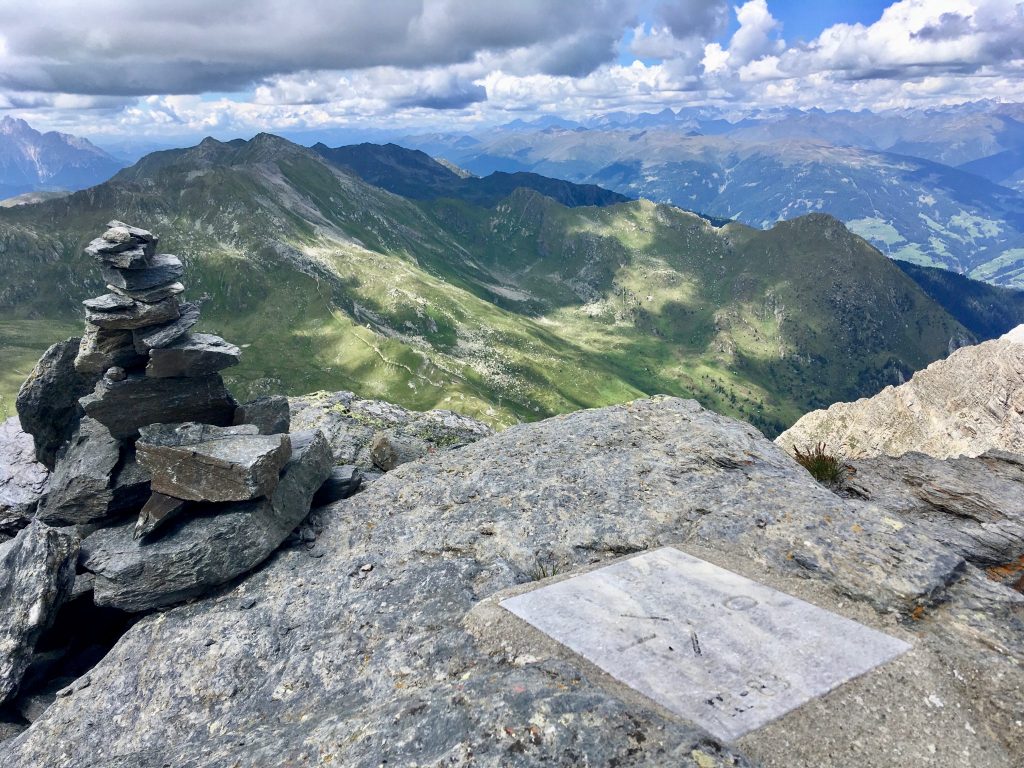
x,y
542,571
827,469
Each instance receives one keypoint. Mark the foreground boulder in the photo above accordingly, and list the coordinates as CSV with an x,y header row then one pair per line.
x,y
383,643
22,478
210,545
48,400
969,403
37,571
974,505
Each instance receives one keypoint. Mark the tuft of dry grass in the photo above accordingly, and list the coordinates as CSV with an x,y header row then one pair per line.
x,y
826,468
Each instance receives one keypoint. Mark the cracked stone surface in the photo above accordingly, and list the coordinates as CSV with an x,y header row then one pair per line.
x,y
385,640
351,424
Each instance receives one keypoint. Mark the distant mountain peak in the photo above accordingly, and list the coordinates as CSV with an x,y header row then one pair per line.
x,y
31,161
11,125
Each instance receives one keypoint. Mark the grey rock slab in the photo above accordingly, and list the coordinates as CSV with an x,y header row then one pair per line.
x,y
80,485
150,295
124,406
109,302
210,546
161,269
271,414
136,233
374,644
37,571
969,403
119,256
102,349
138,315
157,511
976,505
712,646
199,462
22,478
350,424
147,339
342,483
47,402
196,354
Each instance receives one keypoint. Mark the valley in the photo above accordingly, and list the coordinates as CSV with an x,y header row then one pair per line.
x,y
499,302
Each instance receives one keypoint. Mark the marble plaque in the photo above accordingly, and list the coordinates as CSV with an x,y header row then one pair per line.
x,y
718,649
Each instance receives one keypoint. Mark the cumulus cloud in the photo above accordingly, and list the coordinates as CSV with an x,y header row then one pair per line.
x,y
201,66
142,47
755,38
688,18
917,38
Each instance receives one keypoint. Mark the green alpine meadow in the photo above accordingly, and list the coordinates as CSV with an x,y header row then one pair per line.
x,y
509,298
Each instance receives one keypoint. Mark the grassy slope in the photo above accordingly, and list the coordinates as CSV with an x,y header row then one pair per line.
x,y
510,313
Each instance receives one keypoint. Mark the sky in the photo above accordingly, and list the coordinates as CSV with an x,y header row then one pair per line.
x,y
166,69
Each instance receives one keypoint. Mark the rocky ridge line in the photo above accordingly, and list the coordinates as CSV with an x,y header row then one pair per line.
x,y
965,405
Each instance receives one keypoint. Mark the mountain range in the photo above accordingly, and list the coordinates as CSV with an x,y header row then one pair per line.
x,y
507,297
31,161
937,187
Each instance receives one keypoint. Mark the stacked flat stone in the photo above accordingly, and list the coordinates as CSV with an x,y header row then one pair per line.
x,y
161,389
139,336
204,463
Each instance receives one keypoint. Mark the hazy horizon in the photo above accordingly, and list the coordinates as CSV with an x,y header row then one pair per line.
x,y
114,70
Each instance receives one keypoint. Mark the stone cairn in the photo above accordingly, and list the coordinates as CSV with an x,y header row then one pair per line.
x,y
152,458
161,488
161,384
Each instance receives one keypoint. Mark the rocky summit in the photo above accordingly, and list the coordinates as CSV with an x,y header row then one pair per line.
x,y
383,641
969,403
